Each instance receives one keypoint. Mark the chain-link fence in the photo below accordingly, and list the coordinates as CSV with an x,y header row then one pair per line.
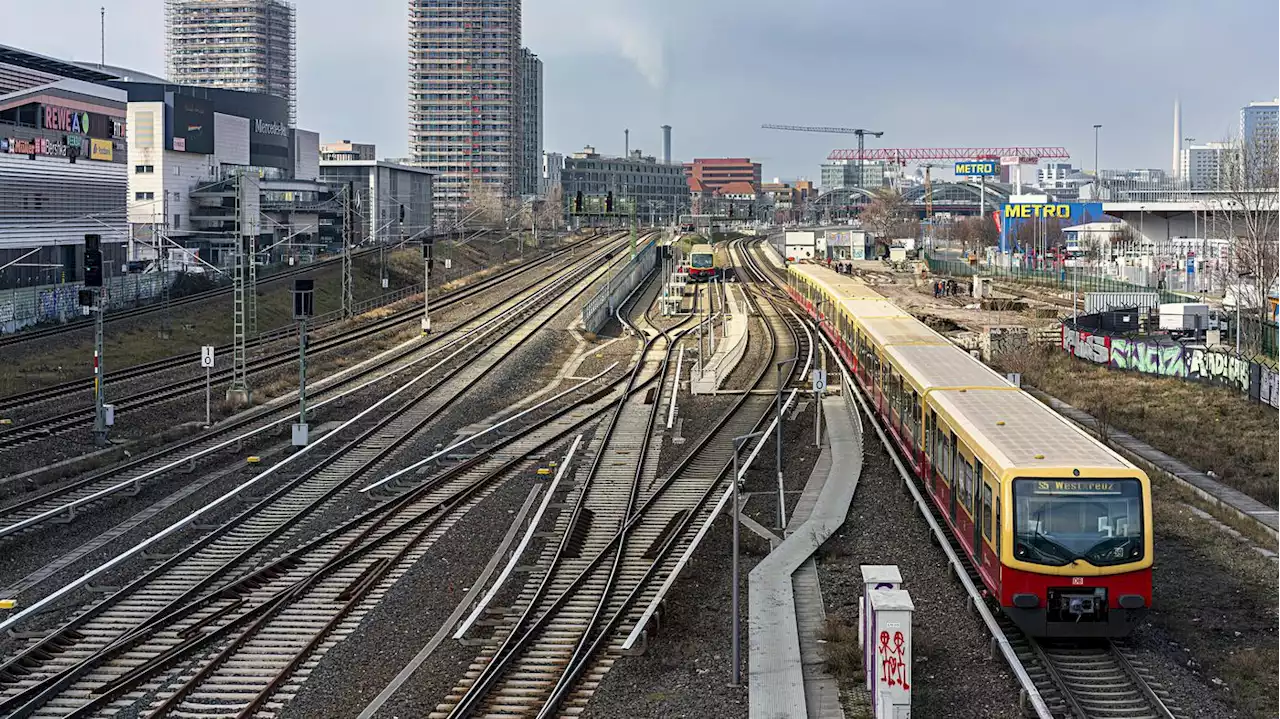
x,y
1061,279
25,306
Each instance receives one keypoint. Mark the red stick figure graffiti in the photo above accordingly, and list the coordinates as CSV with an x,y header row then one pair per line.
x,y
893,660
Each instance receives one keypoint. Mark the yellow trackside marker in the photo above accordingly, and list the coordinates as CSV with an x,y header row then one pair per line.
x,y
552,463
1039,456
8,603
543,471
254,459
5,420
1000,423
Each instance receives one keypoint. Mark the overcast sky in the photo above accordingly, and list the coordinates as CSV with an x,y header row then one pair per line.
x,y
927,73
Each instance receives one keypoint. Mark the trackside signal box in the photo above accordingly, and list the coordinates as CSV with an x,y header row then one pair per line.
x,y
303,299
92,260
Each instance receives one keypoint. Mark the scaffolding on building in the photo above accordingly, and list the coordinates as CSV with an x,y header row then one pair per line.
x,y
248,45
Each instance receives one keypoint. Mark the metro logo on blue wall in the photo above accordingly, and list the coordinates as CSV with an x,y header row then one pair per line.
x,y
1014,215
190,124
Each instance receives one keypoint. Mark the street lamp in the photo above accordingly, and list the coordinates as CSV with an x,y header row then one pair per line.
x,y
1097,171
737,511
1239,276
777,459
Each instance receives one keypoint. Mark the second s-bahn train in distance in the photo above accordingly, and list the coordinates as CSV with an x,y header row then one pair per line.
x,y
1056,523
702,263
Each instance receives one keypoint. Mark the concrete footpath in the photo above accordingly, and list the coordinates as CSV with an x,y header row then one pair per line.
x,y
785,611
1141,453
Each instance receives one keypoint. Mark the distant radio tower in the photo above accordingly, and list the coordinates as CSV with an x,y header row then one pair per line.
x,y
102,40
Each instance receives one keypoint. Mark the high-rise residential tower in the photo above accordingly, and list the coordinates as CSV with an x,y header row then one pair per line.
x,y
248,45
464,96
530,121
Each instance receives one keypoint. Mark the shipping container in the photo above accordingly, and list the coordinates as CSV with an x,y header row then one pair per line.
x,y
1102,301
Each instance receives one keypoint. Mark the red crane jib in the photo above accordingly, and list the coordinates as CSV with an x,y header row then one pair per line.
x,y
903,155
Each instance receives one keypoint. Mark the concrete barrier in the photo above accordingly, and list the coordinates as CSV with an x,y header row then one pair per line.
x,y
597,311
728,354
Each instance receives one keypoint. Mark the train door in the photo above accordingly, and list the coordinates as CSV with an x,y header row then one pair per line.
x,y
979,489
954,464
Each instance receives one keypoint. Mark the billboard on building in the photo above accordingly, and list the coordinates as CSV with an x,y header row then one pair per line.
x,y
980,168
100,150
191,124
1019,219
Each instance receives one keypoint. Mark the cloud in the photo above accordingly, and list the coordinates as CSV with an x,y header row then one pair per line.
x,y
566,29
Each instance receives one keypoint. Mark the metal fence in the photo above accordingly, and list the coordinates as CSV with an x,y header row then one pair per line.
x,y
1063,280
1162,356
597,311
25,306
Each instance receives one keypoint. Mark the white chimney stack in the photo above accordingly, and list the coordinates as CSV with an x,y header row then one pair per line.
x,y
1177,138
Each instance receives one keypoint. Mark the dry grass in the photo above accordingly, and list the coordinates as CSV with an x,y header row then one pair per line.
x,y
1226,619
840,649
1211,428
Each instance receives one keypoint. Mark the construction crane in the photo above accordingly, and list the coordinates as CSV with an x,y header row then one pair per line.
x,y
928,190
861,133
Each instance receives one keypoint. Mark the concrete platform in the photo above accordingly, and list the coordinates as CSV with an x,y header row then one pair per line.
x,y
1148,457
785,610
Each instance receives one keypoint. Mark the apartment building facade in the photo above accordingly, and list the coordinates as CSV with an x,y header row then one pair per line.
x,y
245,45
465,97
530,121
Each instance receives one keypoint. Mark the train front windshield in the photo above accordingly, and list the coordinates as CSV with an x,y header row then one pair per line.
x,y
1057,521
702,261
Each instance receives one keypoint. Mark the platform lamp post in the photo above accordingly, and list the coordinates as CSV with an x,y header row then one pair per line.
x,y
777,459
737,510
303,307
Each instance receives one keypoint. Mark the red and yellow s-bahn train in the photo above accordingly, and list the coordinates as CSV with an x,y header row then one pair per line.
x,y
1058,525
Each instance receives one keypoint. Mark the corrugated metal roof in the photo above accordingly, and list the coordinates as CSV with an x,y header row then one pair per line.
x,y
888,331
1014,428
863,309
944,366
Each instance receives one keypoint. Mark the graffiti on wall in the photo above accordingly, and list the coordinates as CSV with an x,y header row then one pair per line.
x,y
1167,359
1269,387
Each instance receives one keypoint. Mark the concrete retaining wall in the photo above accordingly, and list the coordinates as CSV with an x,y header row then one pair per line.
x,y
597,311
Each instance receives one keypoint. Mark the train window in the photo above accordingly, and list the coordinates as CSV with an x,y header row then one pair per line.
x,y
997,531
965,472
986,510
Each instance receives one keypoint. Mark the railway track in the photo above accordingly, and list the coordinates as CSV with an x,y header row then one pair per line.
x,y
63,502
1058,679
72,390
43,332
254,587
621,539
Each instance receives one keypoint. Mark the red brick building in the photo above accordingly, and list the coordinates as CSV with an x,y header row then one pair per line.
x,y
710,174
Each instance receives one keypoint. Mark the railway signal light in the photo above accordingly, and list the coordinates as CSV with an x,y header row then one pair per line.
x,y
577,202
92,260
608,202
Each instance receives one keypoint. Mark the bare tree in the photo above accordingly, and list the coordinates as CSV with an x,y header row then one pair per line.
x,y
886,213
1248,186
486,206
551,214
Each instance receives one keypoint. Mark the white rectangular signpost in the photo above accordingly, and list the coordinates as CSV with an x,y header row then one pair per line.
x,y
206,361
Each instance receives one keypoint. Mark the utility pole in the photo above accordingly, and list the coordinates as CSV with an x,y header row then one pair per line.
x,y
348,301
238,393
